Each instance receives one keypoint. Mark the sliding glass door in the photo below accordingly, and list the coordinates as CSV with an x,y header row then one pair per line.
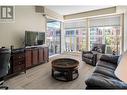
x,y
53,37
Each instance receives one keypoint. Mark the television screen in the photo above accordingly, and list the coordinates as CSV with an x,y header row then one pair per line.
x,y
34,38
41,38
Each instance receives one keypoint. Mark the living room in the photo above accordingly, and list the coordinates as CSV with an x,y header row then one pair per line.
x,y
63,47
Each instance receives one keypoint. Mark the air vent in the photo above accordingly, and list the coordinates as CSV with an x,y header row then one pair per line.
x,y
40,9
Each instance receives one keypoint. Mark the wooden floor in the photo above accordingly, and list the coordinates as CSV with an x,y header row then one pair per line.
x,y
39,77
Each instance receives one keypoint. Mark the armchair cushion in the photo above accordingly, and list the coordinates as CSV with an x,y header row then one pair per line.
x,y
89,55
99,48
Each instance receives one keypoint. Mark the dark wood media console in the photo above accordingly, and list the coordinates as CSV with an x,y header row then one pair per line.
x,y
35,56
25,58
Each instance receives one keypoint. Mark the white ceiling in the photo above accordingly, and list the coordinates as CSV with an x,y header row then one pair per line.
x,y
66,10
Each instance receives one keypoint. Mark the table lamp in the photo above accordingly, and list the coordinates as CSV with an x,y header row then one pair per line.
x,y
121,69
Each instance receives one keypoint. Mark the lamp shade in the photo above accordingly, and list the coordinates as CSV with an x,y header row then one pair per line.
x,y
121,70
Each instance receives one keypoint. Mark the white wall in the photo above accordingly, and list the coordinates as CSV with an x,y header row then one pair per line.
x,y
25,19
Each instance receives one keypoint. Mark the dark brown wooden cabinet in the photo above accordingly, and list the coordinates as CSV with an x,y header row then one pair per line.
x,y
35,56
46,54
41,55
18,61
28,57
25,58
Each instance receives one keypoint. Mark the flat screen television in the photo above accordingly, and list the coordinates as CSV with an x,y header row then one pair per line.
x,y
34,38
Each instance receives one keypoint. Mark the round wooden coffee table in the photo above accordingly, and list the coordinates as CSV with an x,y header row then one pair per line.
x,y
65,69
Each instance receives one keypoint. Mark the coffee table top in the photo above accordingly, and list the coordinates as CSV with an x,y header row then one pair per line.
x,y
65,63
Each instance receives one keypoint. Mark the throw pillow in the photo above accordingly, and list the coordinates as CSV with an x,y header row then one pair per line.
x,y
99,50
94,48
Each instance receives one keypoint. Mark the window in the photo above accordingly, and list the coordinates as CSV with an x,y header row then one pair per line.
x,y
106,30
96,35
75,36
81,34
113,39
75,39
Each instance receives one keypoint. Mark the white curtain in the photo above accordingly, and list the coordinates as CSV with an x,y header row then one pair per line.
x,y
75,24
105,21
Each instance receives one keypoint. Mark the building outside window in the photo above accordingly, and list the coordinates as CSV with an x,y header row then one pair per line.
x,y
107,31
53,37
106,35
75,36
102,30
75,40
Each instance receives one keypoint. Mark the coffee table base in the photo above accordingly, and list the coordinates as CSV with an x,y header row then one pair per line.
x,y
65,74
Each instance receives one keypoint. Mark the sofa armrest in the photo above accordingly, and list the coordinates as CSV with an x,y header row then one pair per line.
x,y
109,58
86,52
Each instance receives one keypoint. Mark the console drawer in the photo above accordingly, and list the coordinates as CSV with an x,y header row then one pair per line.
x,y
18,68
15,63
18,56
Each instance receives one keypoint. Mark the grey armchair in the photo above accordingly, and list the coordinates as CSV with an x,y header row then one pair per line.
x,y
4,65
91,57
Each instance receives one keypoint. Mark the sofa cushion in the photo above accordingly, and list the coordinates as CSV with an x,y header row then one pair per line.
x,y
109,58
106,65
102,81
104,76
97,81
87,60
105,71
